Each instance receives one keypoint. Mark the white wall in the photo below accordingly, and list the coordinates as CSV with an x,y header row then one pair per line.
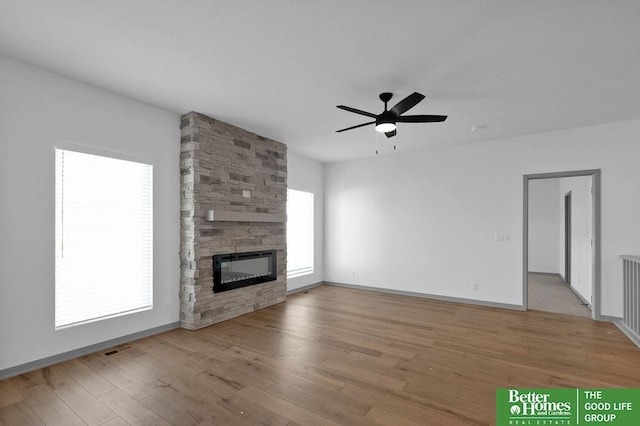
x,y
425,221
581,233
38,109
304,174
544,210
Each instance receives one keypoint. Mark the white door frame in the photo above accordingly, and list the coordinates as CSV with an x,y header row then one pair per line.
x,y
595,231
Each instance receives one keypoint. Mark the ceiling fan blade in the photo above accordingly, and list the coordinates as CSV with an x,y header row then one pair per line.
x,y
357,111
355,127
391,133
407,103
421,118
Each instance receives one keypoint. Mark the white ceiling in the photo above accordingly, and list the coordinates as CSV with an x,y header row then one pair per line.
x,y
279,67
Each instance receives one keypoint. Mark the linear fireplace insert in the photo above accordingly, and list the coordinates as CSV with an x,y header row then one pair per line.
x,y
235,270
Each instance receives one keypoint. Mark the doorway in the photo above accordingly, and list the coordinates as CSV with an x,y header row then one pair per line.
x,y
593,244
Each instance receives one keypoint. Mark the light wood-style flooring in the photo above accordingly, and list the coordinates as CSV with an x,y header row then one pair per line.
x,y
328,356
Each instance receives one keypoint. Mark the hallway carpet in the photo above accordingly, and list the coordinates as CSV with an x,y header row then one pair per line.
x,y
549,293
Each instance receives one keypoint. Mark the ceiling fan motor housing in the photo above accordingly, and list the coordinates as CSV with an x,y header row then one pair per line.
x,y
386,117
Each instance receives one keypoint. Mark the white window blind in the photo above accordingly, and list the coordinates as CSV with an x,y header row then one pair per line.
x,y
104,237
299,233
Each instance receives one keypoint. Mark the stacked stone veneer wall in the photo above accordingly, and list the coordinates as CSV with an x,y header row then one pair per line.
x,y
217,162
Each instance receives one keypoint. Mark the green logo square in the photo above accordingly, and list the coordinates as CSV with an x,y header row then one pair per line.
x,y
546,407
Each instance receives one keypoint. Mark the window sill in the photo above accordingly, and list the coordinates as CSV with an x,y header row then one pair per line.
x,y
300,273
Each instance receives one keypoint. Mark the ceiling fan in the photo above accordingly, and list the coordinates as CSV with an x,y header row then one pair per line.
x,y
386,121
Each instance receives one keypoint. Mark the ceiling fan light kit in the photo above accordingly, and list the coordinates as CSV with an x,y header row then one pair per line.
x,y
386,121
384,127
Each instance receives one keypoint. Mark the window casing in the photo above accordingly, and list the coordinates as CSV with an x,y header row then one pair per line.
x,y
103,237
299,233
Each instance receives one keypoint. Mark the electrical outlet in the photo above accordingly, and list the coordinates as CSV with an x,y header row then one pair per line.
x,y
353,275
475,286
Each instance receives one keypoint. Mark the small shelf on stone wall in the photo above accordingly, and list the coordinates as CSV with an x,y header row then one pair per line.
x,y
230,216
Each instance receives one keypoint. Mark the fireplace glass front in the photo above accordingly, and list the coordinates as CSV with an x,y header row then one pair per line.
x,y
235,270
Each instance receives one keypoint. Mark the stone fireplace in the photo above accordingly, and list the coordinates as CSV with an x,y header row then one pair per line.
x,y
233,200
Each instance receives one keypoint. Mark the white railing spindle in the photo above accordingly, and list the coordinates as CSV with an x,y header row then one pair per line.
x,y
630,323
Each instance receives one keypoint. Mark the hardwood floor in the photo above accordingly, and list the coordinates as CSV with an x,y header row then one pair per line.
x,y
328,356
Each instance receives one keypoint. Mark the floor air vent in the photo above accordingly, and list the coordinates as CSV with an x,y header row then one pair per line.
x,y
117,350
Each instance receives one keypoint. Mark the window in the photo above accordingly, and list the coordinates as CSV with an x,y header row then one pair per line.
x,y
299,233
104,237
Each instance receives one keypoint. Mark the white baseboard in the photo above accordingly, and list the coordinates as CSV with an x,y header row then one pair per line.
x,y
628,332
65,356
554,274
582,299
609,318
303,288
428,296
